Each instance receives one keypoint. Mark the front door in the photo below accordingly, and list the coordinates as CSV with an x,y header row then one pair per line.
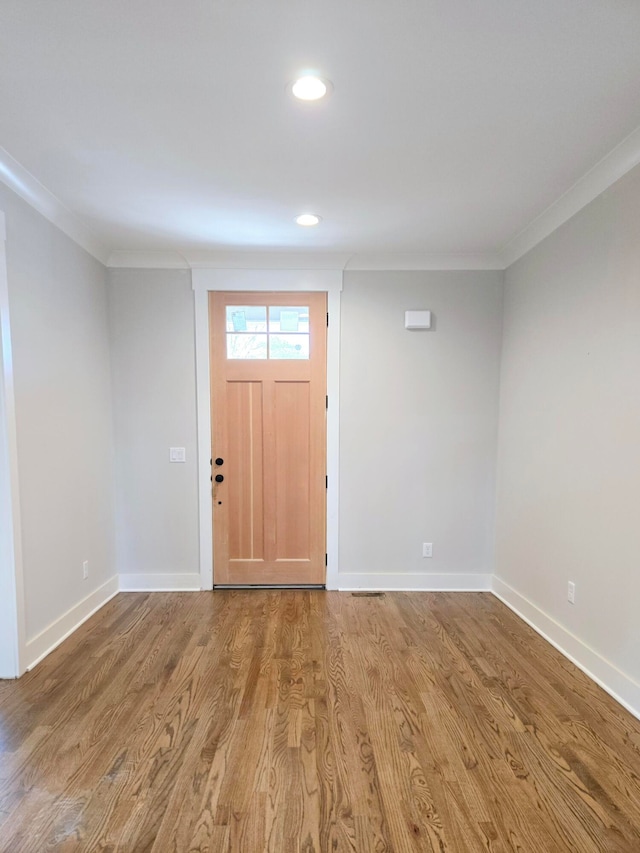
x,y
268,415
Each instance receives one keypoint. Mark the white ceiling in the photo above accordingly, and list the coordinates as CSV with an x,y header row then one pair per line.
x,y
165,124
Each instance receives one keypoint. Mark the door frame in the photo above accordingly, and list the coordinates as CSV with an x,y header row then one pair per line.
x,y
265,280
13,661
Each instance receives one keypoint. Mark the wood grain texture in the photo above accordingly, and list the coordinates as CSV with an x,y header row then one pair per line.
x,y
268,421
282,720
243,471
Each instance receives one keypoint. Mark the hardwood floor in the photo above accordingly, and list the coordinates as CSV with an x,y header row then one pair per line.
x,y
310,721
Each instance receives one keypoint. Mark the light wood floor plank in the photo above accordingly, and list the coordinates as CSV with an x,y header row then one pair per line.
x,y
295,720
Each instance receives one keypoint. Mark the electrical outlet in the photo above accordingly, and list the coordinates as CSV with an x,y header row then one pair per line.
x,y
571,592
85,569
427,549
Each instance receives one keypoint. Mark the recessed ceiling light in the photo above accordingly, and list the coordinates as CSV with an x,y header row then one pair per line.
x,y
307,219
310,88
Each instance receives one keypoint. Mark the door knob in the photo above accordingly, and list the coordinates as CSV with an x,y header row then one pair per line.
x,y
219,478
219,461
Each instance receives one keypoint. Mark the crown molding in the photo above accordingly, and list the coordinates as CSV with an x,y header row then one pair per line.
x,y
423,261
154,259
196,259
202,259
606,172
275,260
23,183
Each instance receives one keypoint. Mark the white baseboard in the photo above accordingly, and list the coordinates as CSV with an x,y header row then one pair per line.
x,y
46,641
416,582
176,582
617,684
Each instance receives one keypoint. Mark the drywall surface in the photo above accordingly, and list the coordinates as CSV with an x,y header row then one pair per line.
x,y
569,447
418,426
154,393
62,390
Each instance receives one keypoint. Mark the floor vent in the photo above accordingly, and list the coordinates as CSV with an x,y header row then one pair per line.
x,y
368,594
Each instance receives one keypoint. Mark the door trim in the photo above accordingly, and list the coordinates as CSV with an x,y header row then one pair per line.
x,y
14,659
206,280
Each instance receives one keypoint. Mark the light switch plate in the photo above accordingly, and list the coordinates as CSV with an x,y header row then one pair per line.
x,y
177,454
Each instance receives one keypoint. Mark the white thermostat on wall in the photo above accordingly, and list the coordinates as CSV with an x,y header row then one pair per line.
x,y
417,319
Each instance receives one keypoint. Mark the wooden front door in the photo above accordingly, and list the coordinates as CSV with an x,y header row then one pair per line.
x,y
268,415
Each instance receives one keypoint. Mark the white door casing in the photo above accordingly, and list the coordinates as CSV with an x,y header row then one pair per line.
x,y
206,280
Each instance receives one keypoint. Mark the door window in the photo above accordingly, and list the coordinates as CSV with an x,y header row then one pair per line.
x,y
267,332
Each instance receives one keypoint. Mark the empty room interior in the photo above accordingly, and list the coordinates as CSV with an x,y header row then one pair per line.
x,y
320,426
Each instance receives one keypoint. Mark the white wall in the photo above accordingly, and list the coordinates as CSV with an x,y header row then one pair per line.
x,y
427,401
153,358
418,429
569,457
61,371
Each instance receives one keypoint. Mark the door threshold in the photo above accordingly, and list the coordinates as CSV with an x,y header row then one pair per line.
x,y
269,586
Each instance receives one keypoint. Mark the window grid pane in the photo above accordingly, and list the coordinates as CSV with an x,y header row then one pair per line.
x,y
289,318
286,336
288,346
246,346
246,318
